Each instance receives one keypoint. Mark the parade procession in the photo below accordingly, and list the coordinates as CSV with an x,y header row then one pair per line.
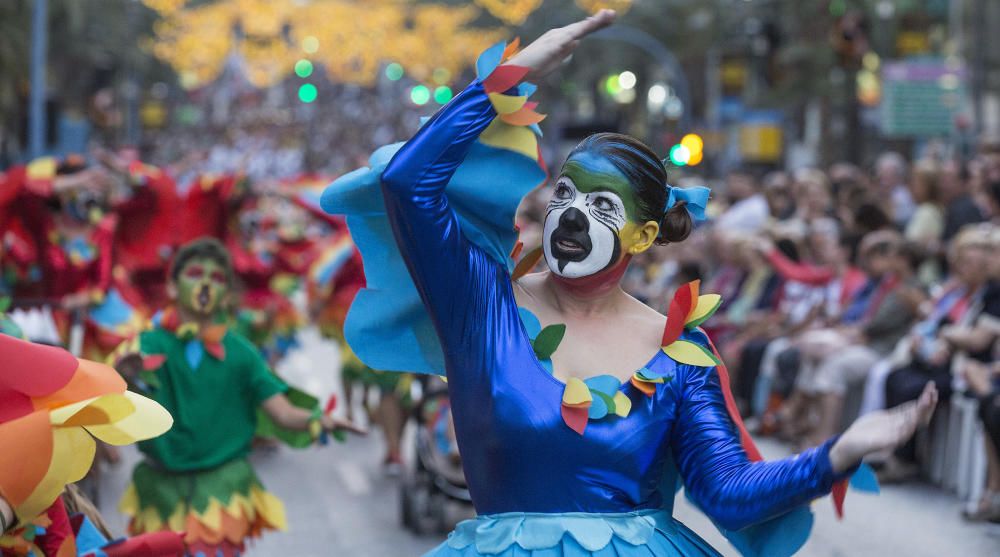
x,y
499,278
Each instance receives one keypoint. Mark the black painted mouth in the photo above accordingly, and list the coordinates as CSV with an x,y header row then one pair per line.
x,y
204,296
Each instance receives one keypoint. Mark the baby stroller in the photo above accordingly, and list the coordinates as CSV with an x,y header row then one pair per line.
x,y
432,481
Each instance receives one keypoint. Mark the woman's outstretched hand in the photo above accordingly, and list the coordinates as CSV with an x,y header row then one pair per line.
x,y
548,51
882,430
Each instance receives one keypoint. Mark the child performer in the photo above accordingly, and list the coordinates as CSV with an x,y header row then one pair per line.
x,y
196,478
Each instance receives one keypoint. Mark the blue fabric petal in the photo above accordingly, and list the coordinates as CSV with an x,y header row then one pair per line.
x,y
532,325
598,408
781,536
113,312
194,351
641,533
526,89
490,59
388,312
607,384
864,479
88,537
547,364
696,198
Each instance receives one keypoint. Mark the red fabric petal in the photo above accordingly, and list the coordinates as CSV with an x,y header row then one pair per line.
x,y
504,77
575,418
680,307
153,361
34,369
154,544
216,349
748,445
839,492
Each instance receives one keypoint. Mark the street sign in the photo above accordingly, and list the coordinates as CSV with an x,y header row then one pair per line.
x,y
921,98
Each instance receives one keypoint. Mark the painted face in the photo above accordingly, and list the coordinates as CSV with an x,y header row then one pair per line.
x,y
202,286
590,218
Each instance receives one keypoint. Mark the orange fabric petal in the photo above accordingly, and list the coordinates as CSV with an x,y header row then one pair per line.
x,y
527,263
23,469
522,117
91,379
694,286
213,334
511,49
680,307
648,389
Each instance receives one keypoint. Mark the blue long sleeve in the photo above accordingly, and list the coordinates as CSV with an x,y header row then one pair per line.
x,y
457,281
718,475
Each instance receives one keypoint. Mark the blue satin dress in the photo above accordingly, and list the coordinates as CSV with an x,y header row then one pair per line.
x,y
539,487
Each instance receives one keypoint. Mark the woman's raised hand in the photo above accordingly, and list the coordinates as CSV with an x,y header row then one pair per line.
x,y
548,51
886,429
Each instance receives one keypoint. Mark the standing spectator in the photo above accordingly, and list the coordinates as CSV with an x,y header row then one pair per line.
x,y
890,171
748,211
925,229
960,207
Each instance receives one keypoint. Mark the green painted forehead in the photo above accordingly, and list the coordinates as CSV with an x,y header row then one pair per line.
x,y
591,172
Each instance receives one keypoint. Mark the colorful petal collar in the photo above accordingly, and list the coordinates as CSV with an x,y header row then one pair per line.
x,y
597,397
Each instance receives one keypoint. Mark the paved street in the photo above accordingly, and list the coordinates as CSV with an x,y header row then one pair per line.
x,y
340,504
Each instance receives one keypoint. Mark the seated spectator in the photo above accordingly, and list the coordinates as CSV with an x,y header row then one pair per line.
x,y
835,358
929,352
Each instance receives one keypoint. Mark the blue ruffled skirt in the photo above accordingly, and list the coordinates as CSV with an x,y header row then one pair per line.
x,y
646,533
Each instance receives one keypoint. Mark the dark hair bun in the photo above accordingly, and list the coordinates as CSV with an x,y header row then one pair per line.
x,y
676,224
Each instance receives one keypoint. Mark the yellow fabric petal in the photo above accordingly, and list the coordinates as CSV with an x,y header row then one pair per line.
x,y
686,352
41,168
706,304
212,515
72,454
147,421
270,507
507,104
98,410
576,392
623,404
515,138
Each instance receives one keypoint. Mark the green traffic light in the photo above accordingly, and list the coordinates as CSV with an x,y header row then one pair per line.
x,y
394,71
308,92
420,95
303,68
442,94
679,155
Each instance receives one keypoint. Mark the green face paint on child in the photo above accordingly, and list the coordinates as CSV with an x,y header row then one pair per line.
x,y
202,286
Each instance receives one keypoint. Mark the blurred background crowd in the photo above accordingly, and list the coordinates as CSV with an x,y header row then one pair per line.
x,y
852,146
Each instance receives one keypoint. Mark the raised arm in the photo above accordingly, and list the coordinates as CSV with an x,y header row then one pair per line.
x,y
441,260
453,276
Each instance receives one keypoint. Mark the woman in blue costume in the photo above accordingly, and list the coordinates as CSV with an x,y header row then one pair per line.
x,y
570,451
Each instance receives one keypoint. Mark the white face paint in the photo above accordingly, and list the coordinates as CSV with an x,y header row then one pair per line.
x,y
580,235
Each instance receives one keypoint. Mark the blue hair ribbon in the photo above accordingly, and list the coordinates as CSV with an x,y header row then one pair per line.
x,y
696,198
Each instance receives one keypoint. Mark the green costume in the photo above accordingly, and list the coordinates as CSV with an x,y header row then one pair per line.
x,y
196,477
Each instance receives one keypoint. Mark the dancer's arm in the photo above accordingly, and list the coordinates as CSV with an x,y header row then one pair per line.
x,y
289,416
449,274
453,278
717,473
736,492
